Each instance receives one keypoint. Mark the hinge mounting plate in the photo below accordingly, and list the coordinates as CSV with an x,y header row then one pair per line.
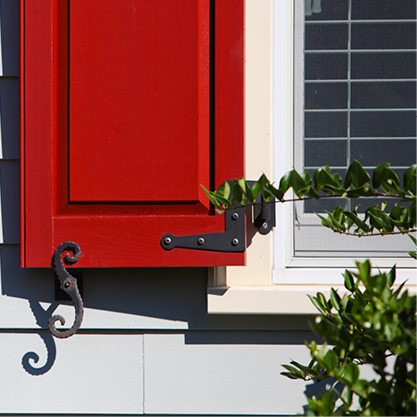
x,y
233,239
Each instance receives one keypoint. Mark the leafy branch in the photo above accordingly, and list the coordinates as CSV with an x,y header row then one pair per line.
x,y
369,323
357,183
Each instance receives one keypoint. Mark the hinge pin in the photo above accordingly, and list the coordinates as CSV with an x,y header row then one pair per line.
x,y
167,240
235,241
201,241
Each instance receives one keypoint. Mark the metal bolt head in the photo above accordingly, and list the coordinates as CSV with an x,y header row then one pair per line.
x,y
67,284
201,241
265,225
235,241
235,216
167,240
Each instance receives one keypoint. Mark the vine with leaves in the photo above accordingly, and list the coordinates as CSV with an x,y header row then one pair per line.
x,y
357,182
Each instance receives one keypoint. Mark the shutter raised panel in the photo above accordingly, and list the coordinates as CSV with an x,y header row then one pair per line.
x,y
138,92
127,107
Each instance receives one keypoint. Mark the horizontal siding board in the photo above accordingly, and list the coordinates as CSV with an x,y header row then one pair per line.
x,y
97,374
9,201
9,118
9,37
222,378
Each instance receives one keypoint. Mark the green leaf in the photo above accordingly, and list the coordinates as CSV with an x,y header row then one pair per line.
x,y
223,202
291,375
391,276
413,213
360,388
333,215
278,194
323,301
357,176
306,369
296,182
334,297
310,192
294,371
284,183
236,193
335,191
410,179
317,304
400,369
399,216
330,360
356,220
256,188
323,178
306,177
351,374
387,178
378,219
364,191
364,270
223,190
376,178
210,196
246,190
326,222
349,281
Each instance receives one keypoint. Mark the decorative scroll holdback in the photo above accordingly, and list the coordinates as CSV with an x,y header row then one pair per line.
x,y
69,285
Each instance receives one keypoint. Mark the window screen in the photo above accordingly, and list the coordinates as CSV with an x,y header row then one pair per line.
x,y
357,86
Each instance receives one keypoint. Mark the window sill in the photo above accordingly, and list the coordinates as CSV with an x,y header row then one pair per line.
x,y
272,299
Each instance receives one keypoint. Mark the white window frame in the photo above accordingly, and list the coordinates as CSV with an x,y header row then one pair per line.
x,y
288,60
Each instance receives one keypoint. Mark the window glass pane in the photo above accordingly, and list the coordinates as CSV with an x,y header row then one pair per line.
x,y
384,124
402,152
326,95
358,101
380,9
388,65
383,35
326,66
325,124
382,95
325,152
326,36
326,10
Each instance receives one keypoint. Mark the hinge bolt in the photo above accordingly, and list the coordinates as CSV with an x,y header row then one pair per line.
x,y
235,241
235,216
201,241
265,225
167,240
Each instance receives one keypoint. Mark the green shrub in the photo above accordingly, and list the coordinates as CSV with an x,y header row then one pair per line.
x,y
368,324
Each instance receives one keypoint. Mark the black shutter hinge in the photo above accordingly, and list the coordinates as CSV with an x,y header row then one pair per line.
x,y
233,239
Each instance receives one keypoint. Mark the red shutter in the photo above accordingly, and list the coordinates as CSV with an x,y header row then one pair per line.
x,y
127,107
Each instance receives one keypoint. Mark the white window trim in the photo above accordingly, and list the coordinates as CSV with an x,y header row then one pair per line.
x,y
272,282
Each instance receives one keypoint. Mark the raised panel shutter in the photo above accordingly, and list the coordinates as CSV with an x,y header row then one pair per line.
x,y
127,107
